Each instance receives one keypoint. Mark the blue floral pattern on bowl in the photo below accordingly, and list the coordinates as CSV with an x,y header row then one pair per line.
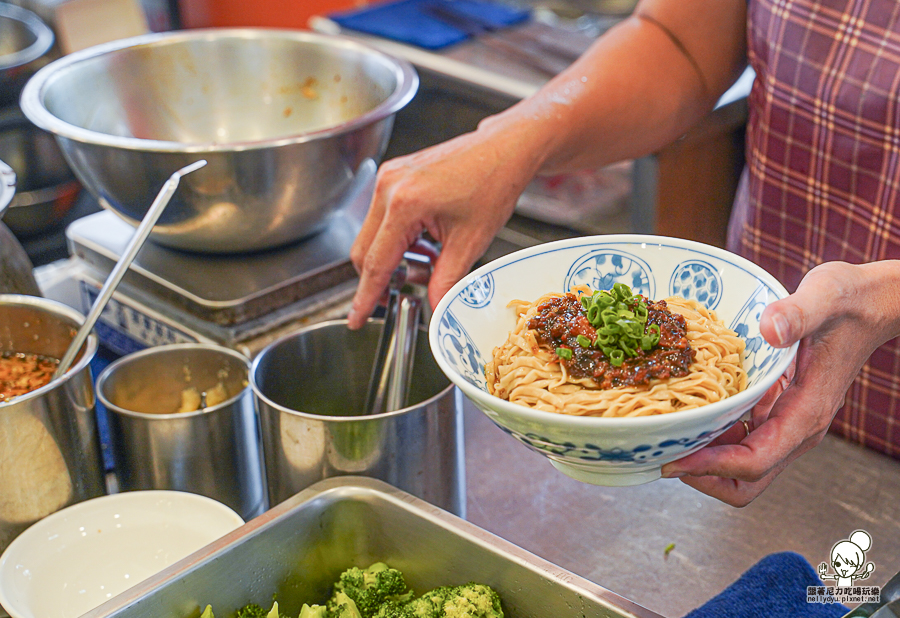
x,y
697,280
467,360
563,451
478,293
758,354
599,270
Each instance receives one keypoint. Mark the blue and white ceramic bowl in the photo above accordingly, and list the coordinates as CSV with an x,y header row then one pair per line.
x,y
473,318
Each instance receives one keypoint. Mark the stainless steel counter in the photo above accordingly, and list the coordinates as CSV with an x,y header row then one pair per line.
x,y
617,537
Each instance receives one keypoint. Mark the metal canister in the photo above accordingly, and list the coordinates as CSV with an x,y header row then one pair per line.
x,y
16,275
161,441
50,453
311,388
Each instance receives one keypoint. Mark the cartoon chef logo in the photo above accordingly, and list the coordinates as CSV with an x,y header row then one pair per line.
x,y
848,559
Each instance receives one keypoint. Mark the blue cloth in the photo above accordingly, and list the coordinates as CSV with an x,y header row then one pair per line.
x,y
404,21
774,587
98,364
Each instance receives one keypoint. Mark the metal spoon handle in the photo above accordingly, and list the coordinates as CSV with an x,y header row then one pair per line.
x,y
118,271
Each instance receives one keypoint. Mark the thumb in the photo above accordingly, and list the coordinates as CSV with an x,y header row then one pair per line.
x,y
816,301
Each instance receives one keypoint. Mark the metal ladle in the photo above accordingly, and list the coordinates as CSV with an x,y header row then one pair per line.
x,y
118,271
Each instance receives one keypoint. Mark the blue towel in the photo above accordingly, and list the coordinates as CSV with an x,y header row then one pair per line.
x,y
774,587
404,21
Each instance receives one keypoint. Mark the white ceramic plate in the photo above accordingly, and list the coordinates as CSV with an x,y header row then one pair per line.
x,y
85,554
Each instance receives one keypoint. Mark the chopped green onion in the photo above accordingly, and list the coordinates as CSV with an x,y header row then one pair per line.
x,y
583,341
620,318
565,353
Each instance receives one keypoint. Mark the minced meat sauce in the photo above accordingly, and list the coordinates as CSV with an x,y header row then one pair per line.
x,y
559,321
23,373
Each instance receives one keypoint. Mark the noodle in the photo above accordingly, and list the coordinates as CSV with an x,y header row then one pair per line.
x,y
524,372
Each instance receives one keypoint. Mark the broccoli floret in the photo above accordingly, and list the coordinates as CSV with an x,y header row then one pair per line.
x,y
251,610
371,588
392,609
472,601
430,604
340,605
313,611
381,592
466,601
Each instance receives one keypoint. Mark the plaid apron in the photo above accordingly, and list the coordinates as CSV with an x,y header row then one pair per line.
x,y
822,180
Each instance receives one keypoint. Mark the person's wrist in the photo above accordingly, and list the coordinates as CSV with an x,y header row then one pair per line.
x,y
879,302
527,142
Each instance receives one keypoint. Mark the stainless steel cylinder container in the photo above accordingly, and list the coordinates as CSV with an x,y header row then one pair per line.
x,y
310,389
16,276
212,450
49,446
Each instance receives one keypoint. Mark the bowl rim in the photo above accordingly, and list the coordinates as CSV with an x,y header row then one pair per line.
x,y
258,392
169,348
133,498
32,97
43,36
573,422
7,186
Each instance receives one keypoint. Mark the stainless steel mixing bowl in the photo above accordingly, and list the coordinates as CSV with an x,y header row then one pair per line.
x,y
285,119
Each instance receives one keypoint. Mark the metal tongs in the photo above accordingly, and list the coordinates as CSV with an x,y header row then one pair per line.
x,y
407,307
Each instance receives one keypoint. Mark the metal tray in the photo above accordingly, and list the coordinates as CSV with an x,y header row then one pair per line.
x,y
297,550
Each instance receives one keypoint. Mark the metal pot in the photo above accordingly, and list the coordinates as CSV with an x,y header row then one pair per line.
x,y
213,451
24,40
310,388
286,120
46,188
49,446
16,276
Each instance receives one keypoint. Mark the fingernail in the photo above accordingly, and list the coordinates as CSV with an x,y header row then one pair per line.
x,y
673,475
352,315
781,328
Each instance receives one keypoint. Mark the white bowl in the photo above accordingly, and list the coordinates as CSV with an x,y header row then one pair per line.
x,y
83,555
473,318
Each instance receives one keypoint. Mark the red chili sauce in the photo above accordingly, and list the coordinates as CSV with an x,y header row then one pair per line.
x,y
559,321
23,373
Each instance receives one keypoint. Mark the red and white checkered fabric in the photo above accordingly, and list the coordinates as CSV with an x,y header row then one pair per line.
x,y
822,181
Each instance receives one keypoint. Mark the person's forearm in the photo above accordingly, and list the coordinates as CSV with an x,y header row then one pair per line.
x,y
639,87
